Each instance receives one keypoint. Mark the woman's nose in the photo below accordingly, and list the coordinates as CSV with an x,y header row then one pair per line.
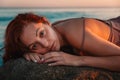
x,y
44,43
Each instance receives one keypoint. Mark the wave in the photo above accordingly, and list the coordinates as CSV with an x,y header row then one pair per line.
x,y
6,18
51,15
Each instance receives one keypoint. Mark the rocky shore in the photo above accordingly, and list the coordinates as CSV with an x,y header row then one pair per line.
x,y
22,69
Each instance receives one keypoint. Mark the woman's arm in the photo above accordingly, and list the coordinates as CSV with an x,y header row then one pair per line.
x,y
61,58
110,62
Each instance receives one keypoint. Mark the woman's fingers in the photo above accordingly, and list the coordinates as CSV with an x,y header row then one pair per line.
x,y
55,58
52,59
51,54
32,57
35,57
26,57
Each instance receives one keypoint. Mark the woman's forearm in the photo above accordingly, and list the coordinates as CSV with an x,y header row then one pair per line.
x,y
111,62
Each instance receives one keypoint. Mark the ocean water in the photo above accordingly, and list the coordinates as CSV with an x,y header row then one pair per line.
x,y
53,14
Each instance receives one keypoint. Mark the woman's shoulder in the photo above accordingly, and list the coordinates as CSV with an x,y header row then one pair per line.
x,y
65,21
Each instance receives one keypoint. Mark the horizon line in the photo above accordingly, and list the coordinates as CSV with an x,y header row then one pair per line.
x,y
58,7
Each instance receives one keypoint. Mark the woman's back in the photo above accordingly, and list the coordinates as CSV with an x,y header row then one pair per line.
x,y
77,24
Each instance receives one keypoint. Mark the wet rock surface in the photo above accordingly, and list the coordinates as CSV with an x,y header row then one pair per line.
x,y
22,69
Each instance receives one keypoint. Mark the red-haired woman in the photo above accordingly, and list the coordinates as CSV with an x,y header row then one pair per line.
x,y
95,42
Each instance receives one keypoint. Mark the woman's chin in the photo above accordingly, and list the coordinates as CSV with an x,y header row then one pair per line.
x,y
57,48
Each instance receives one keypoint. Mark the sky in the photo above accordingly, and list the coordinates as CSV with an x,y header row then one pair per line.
x,y
59,3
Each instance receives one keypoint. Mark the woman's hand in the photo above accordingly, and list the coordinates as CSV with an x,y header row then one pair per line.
x,y
35,57
61,58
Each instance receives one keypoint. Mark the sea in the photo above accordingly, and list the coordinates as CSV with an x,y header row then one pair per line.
x,y
53,14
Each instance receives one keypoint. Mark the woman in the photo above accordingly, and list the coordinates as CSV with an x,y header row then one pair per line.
x,y
95,42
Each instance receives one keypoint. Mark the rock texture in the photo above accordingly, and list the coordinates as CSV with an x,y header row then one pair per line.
x,y
21,69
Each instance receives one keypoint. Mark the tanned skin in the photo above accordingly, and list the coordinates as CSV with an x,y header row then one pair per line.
x,y
102,53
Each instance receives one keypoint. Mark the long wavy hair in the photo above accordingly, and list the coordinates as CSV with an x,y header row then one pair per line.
x,y
14,47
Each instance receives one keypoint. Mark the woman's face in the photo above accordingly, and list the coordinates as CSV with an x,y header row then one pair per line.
x,y
40,38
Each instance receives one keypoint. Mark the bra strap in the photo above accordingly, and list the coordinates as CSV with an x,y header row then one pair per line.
x,y
83,36
111,32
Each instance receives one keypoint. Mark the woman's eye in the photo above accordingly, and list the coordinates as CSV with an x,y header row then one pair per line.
x,y
34,46
42,33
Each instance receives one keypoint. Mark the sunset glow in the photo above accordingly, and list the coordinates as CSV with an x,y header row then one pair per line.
x,y
59,3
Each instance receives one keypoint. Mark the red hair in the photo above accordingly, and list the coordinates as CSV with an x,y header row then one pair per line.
x,y
14,48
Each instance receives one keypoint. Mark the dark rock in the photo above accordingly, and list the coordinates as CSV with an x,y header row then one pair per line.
x,y
21,69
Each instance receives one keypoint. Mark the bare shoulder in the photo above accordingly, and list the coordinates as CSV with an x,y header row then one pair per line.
x,y
92,23
97,27
65,22
69,26
72,29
